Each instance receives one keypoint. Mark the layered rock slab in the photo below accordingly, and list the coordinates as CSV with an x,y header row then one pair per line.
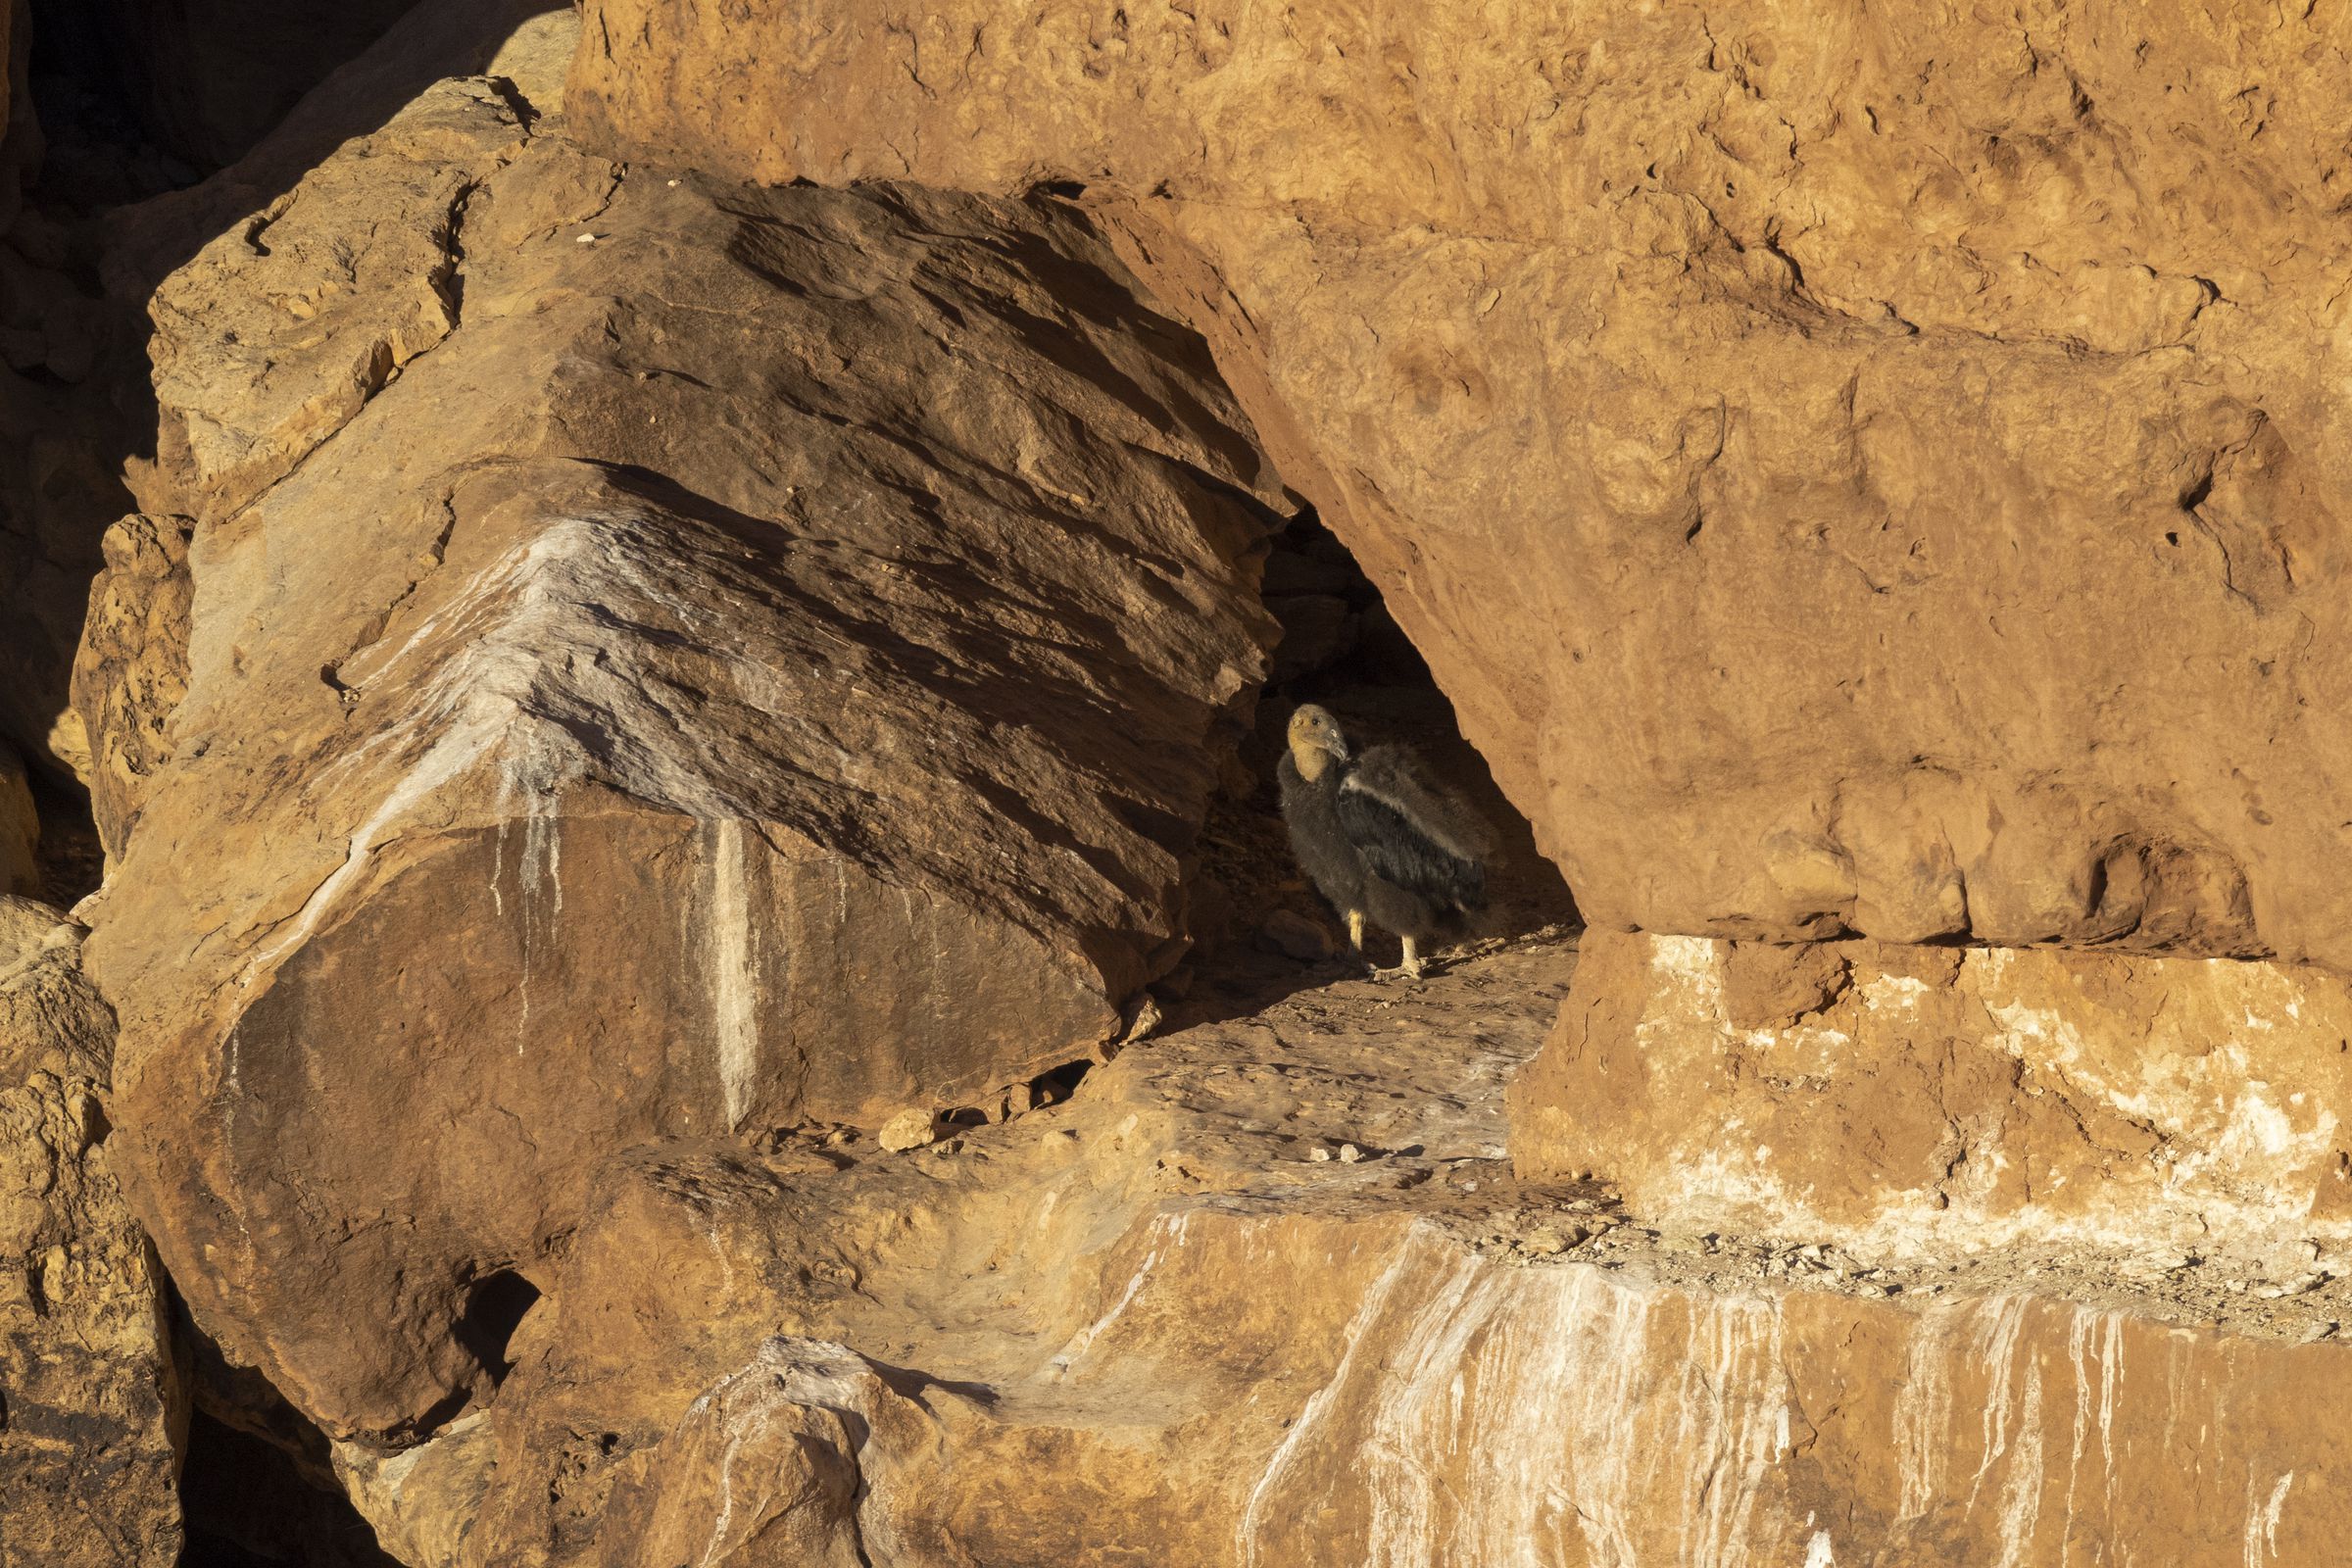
x,y
764,661
1913,1101
1150,1324
1820,526
92,1406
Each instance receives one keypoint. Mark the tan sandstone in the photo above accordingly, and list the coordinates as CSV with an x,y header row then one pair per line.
x,y
767,663
1148,1325
1855,469
1946,1101
91,1404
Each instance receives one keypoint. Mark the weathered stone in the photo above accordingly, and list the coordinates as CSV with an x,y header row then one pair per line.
x,y
1145,1306
801,702
422,1502
1951,1101
1294,935
277,332
764,1467
1765,983
133,668
911,1128
1818,523
91,1405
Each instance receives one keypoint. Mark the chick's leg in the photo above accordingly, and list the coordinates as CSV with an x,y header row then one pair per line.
x,y
1412,958
1355,929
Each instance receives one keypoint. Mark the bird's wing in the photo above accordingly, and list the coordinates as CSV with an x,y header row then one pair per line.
x,y
1394,779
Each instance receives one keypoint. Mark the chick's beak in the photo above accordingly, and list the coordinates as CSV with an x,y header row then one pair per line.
x,y
1336,746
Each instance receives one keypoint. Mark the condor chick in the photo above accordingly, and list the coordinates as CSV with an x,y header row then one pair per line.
x,y
1377,837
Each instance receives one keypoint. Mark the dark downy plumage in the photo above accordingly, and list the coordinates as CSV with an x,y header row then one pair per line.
x,y
1377,837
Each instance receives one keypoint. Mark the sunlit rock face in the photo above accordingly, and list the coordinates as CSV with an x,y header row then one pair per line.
x,y
94,1408
1153,1305
1936,1101
662,657
679,614
1854,471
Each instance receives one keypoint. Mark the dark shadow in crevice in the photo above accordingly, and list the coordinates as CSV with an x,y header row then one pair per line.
x,y
495,1308
258,1486
247,1505
70,860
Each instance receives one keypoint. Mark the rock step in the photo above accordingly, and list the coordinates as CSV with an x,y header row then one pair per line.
x,y
1154,1307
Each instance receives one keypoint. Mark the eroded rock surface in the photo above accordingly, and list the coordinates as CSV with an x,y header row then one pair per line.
x,y
91,1405
663,659
1151,1320
1936,1101
1852,472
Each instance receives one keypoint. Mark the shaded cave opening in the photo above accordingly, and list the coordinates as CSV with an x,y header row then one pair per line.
x,y
258,1486
1261,929
136,97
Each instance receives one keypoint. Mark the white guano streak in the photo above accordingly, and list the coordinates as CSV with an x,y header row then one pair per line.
x,y
526,637
734,969
1506,1410
2262,1521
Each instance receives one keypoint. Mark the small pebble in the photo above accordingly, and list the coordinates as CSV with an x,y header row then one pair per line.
x,y
585,239
1318,1154
1349,1154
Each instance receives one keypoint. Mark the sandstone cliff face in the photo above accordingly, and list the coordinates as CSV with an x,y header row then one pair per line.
x,y
1852,472
1936,1100
1150,1325
688,601
764,665
93,1408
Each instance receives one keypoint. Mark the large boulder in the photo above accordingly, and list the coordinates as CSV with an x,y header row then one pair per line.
x,y
1852,469
92,1407
663,659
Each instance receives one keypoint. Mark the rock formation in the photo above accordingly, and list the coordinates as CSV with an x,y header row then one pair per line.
x,y
94,1404
1852,472
1940,1101
768,648
669,606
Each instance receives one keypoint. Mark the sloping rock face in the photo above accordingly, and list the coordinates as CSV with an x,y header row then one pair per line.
x,y
91,1405
1854,472
1935,1102
663,659
1150,1325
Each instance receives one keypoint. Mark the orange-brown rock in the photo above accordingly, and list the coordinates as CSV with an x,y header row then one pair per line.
x,y
737,659
2158,1111
91,1406
1150,1323
1853,470
131,669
